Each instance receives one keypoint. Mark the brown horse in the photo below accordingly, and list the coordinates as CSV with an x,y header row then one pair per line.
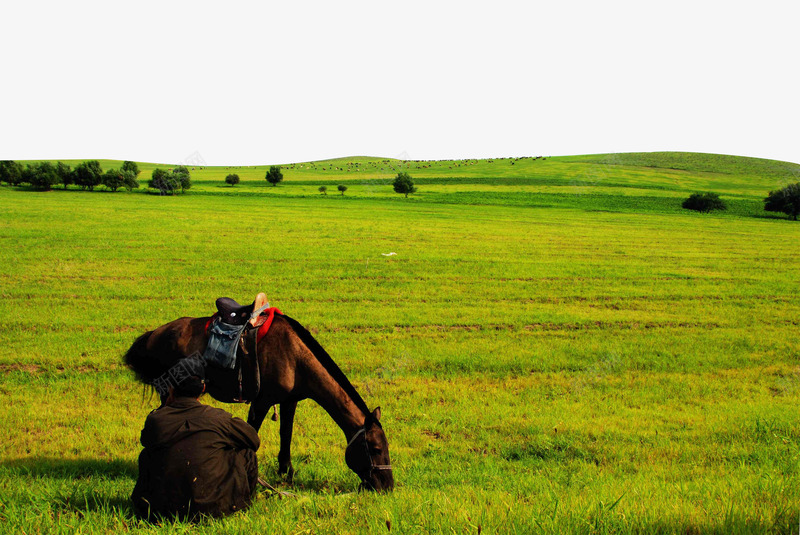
x,y
292,366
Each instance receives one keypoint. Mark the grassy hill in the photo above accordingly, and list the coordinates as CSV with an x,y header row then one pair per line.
x,y
638,182
699,162
556,346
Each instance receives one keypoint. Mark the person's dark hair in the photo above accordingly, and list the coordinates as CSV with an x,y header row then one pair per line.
x,y
191,387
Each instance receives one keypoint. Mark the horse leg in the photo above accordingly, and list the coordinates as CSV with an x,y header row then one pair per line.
x,y
285,453
258,411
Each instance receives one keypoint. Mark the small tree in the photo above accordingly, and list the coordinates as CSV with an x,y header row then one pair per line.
x,y
232,179
180,169
65,174
323,190
185,181
80,175
274,175
28,175
786,200
10,172
88,174
181,175
42,175
704,202
113,179
164,182
403,184
342,188
129,179
132,167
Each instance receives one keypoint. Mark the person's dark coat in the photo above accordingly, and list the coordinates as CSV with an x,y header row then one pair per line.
x,y
196,460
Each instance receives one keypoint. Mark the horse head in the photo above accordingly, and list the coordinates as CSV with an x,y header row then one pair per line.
x,y
367,455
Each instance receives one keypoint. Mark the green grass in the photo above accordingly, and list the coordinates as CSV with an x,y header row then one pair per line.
x,y
551,355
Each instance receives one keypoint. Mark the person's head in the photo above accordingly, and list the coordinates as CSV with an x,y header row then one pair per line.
x,y
193,384
191,387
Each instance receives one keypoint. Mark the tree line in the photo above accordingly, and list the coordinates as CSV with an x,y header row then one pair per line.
x,y
89,175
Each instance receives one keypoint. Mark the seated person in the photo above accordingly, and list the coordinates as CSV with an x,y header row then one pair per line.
x,y
196,459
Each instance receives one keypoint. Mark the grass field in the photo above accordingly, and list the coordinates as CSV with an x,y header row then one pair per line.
x,y
557,346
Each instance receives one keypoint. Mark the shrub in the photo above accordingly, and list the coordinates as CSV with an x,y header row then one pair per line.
x,y
704,202
274,175
232,179
786,200
403,184
323,190
342,188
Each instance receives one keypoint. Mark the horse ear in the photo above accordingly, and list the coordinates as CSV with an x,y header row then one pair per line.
x,y
377,413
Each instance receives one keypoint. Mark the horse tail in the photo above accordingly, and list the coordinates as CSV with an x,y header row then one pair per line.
x,y
139,360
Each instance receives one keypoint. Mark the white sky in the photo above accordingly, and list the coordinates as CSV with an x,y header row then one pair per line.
x,y
267,82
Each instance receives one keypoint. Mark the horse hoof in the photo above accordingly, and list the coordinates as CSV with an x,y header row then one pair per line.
x,y
287,472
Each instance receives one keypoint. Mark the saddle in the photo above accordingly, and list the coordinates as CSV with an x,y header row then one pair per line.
x,y
233,335
233,313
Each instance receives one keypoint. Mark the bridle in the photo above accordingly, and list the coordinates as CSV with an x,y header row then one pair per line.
x,y
372,465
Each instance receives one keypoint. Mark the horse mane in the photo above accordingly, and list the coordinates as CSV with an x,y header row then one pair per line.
x,y
327,362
